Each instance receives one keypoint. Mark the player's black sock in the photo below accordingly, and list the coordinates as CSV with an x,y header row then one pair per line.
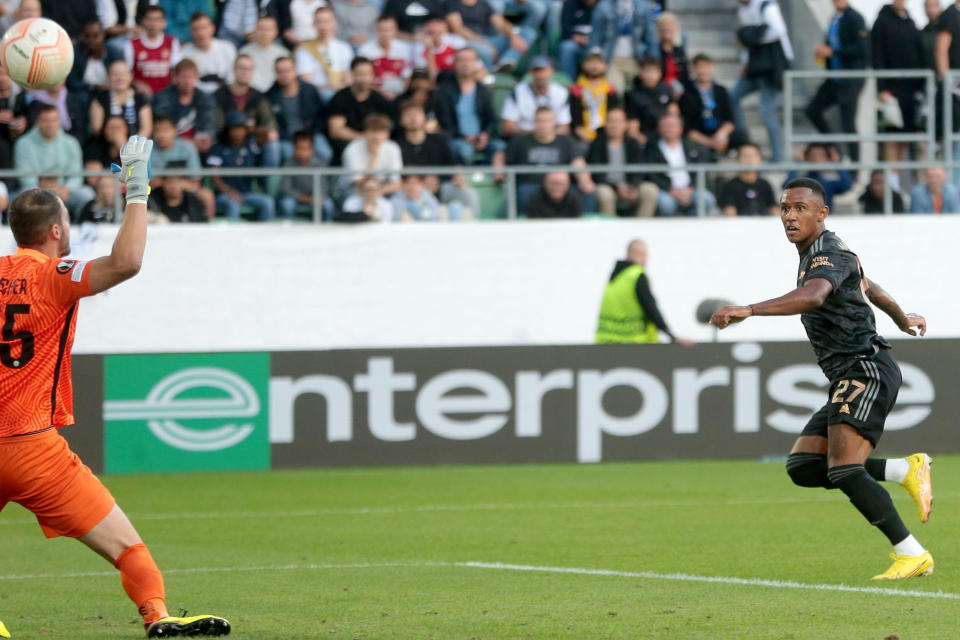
x,y
809,470
876,467
870,499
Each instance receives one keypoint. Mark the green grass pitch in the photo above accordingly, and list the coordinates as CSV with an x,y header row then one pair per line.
x,y
386,553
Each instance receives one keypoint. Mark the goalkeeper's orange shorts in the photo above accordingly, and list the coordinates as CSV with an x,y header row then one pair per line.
x,y
41,473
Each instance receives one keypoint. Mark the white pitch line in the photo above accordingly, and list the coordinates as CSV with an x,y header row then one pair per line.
x,y
439,508
499,566
686,577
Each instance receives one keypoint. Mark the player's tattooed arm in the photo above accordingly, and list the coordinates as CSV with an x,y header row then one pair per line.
x,y
810,296
885,302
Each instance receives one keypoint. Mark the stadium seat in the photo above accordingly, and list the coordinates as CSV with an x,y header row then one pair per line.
x,y
490,193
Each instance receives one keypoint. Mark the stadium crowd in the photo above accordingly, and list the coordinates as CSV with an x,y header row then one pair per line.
x,y
380,85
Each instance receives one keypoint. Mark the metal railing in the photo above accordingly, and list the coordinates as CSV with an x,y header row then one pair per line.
x,y
699,172
951,91
928,135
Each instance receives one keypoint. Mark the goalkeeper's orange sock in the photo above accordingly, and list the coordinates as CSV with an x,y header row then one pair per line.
x,y
143,582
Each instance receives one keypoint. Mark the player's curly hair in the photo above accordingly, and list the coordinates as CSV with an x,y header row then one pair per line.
x,y
31,215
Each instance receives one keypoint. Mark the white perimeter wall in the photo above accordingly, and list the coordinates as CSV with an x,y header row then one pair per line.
x,y
313,287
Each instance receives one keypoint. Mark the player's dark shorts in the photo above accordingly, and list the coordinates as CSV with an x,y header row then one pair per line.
x,y
862,397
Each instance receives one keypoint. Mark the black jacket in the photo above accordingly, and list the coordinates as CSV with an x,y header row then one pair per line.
x,y
695,154
647,105
896,45
574,13
445,103
541,206
310,107
854,49
691,108
645,297
597,154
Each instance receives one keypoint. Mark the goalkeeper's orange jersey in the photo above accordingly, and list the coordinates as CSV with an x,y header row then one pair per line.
x,y
38,318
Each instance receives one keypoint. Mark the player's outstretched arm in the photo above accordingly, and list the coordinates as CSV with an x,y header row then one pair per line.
x,y
885,302
127,254
802,299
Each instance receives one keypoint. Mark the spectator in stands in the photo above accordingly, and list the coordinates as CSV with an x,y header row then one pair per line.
x,y
673,53
847,46
168,148
121,99
296,106
817,153
556,198
871,200
545,147
191,109
437,49
105,146
928,35
174,200
356,20
590,97
178,14
762,28
239,96
616,192
936,195
411,15
113,18
237,19
527,97
647,100
90,62
73,112
48,150
575,30
325,61
489,33
374,150
152,54
302,19
748,194
625,30
947,55
351,105
422,149
390,56
238,151
102,209
296,191
465,111
676,190
421,90
214,57
264,51
414,202
13,122
707,112
70,15
367,204
532,15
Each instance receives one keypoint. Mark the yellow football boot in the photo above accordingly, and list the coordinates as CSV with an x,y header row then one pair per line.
x,y
907,567
205,625
919,484
3,631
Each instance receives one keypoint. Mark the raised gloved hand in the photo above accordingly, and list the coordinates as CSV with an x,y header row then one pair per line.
x,y
135,172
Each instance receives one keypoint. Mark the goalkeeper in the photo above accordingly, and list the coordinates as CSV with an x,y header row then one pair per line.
x,y
38,470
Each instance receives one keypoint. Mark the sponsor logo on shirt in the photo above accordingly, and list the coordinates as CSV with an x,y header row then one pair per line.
x,y
820,261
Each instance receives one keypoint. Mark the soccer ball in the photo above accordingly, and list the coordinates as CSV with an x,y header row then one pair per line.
x,y
37,53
